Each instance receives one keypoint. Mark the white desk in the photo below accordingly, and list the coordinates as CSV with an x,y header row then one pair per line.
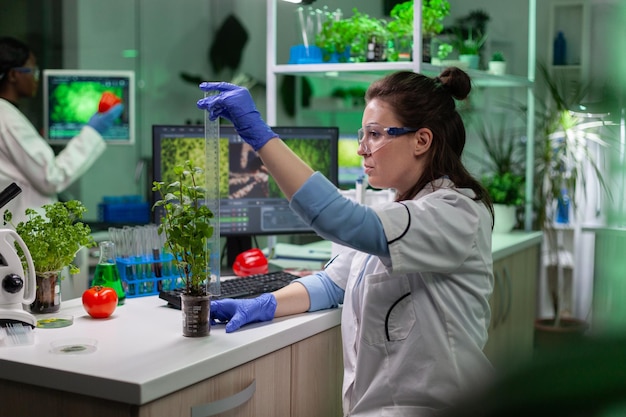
x,y
142,355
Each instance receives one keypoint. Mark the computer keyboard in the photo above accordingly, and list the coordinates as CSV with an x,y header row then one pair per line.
x,y
243,287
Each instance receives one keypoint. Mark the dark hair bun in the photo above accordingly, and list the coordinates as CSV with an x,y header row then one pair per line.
x,y
456,81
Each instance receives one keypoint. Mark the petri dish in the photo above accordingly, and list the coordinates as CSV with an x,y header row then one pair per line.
x,y
54,321
76,346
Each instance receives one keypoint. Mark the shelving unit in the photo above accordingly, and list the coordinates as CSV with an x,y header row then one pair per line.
x,y
368,72
573,18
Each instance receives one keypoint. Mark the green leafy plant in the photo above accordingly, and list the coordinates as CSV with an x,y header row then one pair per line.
x,y
400,26
469,45
433,13
497,57
336,37
368,30
502,162
563,160
444,50
53,239
505,188
353,34
186,223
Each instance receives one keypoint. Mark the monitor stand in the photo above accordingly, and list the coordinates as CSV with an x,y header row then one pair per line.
x,y
234,246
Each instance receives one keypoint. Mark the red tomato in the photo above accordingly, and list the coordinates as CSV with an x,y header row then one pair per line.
x,y
107,101
100,302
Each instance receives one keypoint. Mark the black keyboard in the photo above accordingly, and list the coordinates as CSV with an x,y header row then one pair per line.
x,y
243,287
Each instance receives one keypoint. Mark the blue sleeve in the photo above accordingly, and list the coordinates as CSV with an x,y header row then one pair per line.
x,y
323,292
339,219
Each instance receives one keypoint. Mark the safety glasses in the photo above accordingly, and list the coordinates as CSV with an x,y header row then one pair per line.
x,y
27,70
371,137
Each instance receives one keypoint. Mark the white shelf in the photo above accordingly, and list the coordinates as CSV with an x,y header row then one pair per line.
x,y
371,71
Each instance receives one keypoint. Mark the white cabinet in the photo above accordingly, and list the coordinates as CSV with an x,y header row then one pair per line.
x,y
511,329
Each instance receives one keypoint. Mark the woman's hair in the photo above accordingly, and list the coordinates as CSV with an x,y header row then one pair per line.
x,y
420,101
13,54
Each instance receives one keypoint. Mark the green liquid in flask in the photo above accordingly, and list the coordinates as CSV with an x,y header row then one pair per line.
x,y
107,275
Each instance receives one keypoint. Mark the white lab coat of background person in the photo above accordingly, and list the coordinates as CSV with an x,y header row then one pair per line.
x,y
395,322
29,161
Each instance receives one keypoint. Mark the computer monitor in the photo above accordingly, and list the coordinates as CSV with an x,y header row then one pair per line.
x,y
71,97
250,201
350,164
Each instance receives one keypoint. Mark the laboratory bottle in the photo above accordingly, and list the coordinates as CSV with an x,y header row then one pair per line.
x,y
560,47
107,274
562,207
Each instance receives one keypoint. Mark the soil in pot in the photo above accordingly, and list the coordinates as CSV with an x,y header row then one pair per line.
x,y
196,315
48,293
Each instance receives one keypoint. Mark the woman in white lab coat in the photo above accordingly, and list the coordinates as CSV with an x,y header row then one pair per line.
x,y
416,282
25,156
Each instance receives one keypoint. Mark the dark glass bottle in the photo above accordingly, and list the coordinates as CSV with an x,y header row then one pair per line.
x,y
560,48
107,274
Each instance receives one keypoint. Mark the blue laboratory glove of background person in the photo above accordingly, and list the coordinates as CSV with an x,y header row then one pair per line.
x,y
102,121
235,104
243,311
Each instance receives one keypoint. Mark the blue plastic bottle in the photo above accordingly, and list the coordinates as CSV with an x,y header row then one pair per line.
x,y
560,47
562,207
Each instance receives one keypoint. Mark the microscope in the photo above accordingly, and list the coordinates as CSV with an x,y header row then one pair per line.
x,y
17,289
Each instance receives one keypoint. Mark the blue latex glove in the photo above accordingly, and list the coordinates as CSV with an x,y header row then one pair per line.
x,y
243,311
102,121
235,104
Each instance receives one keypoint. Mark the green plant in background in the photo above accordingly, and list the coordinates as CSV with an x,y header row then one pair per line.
x,y
502,162
505,188
469,45
351,34
497,57
444,50
54,238
433,13
401,24
563,160
336,37
369,30
186,224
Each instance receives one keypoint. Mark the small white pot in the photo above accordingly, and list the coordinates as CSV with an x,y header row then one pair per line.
x,y
506,217
497,67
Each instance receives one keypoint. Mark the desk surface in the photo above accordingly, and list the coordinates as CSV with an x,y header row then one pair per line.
x,y
141,354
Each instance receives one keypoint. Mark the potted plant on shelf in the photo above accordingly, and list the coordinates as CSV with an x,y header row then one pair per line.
x,y
502,164
370,43
401,26
469,47
53,240
358,38
565,165
186,223
497,64
443,51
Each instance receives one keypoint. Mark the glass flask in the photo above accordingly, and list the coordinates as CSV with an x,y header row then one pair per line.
x,y
107,274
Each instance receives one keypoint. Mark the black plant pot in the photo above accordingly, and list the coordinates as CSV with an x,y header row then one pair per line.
x,y
196,315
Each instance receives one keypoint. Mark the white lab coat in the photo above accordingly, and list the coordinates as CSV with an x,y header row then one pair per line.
x,y
413,340
28,160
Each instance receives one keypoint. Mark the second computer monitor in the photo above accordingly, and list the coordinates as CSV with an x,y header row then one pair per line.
x,y
250,201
